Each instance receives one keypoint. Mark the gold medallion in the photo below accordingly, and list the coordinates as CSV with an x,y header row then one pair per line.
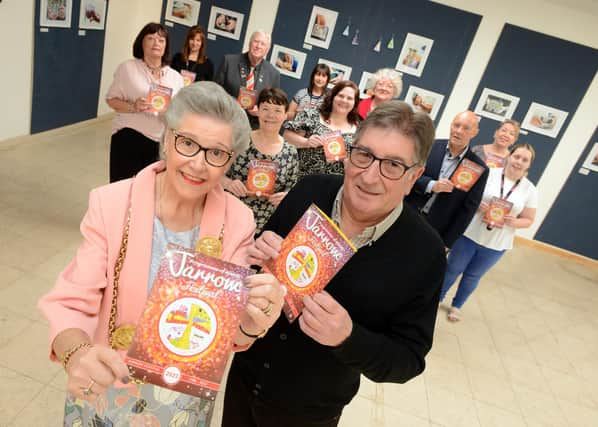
x,y
210,246
123,337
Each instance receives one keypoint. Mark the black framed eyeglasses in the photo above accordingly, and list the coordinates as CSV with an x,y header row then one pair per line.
x,y
187,147
389,168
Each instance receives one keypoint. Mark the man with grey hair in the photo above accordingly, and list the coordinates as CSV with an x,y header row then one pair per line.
x,y
249,70
376,317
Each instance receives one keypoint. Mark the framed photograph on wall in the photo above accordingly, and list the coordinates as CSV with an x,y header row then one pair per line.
x,y
338,72
320,27
414,54
496,105
591,162
544,120
366,85
288,61
225,23
184,12
92,14
55,13
424,100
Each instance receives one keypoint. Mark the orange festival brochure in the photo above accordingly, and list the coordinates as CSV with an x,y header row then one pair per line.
x,y
247,98
158,98
334,146
493,161
186,332
311,254
188,77
497,210
466,175
261,177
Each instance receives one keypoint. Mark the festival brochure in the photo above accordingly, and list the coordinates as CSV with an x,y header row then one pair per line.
x,y
497,210
247,98
158,98
494,161
311,254
188,77
334,146
186,331
261,177
466,175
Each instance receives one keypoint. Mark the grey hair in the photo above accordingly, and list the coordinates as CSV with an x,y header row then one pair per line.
x,y
210,99
398,116
388,74
264,32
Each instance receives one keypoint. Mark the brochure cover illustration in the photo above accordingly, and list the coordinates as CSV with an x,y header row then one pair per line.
x,y
186,332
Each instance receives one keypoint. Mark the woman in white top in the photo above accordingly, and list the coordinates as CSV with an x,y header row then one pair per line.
x,y
312,96
136,133
482,245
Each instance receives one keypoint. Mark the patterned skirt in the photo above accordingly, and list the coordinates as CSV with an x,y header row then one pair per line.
x,y
144,405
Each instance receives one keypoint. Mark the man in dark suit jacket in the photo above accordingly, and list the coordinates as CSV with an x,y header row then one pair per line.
x,y
446,208
235,69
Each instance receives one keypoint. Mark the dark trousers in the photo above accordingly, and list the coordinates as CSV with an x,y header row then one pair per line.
x,y
130,151
243,408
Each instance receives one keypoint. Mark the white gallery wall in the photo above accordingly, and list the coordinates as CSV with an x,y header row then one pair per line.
x,y
16,73
574,20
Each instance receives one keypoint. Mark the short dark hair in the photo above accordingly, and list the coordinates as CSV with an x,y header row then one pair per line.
x,y
399,116
274,96
322,69
151,28
193,31
326,107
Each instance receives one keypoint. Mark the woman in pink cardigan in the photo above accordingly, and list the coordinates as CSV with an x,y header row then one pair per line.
x,y
178,200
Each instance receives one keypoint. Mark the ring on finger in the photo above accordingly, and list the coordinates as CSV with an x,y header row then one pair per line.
x,y
87,390
268,308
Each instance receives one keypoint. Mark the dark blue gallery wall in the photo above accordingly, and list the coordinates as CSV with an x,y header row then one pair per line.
x,y
537,68
216,49
66,73
571,222
451,29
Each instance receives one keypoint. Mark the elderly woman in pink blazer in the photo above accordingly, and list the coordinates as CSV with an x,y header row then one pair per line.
x,y
178,200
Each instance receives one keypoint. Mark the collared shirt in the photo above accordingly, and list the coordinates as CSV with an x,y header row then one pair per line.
x,y
369,234
449,164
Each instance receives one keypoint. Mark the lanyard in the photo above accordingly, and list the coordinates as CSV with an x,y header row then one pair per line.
x,y
502,185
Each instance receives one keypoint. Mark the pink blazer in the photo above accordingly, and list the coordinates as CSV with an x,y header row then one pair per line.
x,y
82,294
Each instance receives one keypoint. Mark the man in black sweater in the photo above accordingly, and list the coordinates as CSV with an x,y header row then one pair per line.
x,y
376,317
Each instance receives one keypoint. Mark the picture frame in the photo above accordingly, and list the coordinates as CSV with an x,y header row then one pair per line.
x,y
338,72
225,23
184,12
424,100
414,54
320,27
92,14
544,119
496,105
288,62
366,85
55,13
591,162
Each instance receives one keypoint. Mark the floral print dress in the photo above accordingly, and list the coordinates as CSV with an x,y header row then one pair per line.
x,y
285,179
312,160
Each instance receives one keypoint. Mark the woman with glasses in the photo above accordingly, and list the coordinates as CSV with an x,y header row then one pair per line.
x,y
385,84
265,144
136,131
483,244
177,200
338,113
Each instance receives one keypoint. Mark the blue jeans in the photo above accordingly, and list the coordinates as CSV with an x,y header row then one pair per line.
x,y
473,261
